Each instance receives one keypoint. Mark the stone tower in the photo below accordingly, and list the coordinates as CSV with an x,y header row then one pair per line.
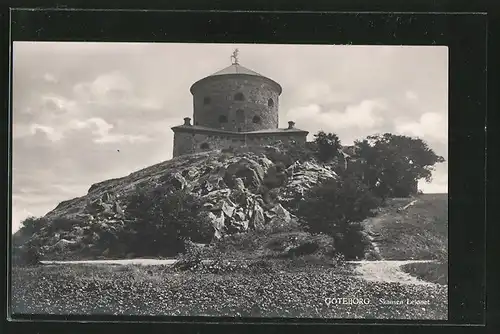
x,y
233,107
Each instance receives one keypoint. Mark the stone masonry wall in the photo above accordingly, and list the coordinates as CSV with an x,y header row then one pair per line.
x,y
260,99
188,143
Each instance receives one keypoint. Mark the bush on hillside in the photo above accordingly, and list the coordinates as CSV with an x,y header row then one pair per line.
x,y
32,225
334,207
162,221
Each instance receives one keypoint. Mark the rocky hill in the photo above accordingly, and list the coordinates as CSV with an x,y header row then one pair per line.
x,y
239,191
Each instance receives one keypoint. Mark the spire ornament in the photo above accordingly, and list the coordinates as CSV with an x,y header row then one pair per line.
x,y
234,57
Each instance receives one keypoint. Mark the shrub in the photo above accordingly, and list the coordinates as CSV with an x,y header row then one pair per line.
x,y
162,221
191,258
334,207
327,145
32,225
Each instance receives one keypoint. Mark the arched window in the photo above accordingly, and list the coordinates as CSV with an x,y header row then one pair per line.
x,y
222,119
204,146
256,120
270,103
239,97
207,100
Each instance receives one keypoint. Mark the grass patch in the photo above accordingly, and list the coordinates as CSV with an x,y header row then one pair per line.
x,y
434,272
418,232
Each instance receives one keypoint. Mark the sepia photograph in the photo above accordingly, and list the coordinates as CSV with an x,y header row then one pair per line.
x,y
229,180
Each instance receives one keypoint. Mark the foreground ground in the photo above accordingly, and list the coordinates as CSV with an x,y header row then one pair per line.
x,y
259,292
399,286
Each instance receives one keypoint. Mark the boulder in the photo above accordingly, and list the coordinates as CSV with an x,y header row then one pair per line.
x,y
228,208
258,220
275,177
249,171
278,216
217,222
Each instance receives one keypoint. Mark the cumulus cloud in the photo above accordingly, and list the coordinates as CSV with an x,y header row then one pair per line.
x,y
347,123
431,126
105,86
315,92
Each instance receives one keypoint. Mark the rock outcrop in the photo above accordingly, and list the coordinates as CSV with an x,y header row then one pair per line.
x,y
239,191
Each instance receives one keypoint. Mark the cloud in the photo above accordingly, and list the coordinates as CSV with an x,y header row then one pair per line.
x,y
411,95
101,129
431,126
439,182
18,215
105,86
50,132
320,92
52,103
50,78
347,124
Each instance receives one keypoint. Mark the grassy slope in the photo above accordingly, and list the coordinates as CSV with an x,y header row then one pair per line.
x,y
418,232
430,272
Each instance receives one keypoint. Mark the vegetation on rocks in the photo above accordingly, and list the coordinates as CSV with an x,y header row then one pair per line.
x,y
214,197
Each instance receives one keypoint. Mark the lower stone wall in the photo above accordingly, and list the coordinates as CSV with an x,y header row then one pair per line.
x,y
188,142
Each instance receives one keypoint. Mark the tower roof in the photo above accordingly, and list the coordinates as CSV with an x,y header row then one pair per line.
x,y
236,69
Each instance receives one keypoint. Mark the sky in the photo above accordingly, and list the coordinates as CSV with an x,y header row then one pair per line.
x,y
87,112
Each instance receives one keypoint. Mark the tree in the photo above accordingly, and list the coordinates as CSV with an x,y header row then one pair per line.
x,y
336,207
31,225
327,145
391,165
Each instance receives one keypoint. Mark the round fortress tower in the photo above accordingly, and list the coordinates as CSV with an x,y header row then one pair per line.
x,y
236,99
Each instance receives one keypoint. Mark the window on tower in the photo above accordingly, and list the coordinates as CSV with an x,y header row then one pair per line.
x,y
222,119
204,146
270,103
256,120
239,97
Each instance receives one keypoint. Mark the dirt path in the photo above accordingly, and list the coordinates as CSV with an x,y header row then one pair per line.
x,y
146,262
387,271
377,271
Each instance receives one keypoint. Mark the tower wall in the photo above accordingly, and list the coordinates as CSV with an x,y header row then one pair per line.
x,y
216,105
